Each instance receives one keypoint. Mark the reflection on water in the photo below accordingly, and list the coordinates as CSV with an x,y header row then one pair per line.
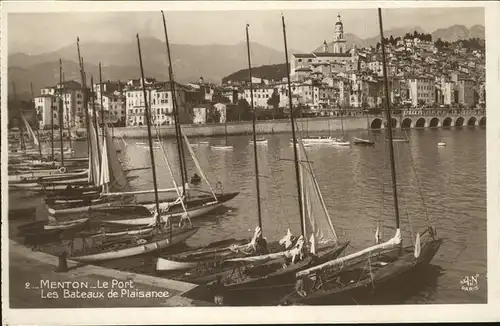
x,y
443,185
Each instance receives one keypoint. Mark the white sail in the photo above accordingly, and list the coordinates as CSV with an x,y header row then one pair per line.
x,y
93,155
30,130
118,180
104,174
355,257
317,220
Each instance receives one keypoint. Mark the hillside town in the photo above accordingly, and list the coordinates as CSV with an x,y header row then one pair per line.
x,y
333,80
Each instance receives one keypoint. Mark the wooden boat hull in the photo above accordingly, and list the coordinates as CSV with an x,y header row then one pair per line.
x,y
259,142
35,233
49,178
194,212
221,147
341,143
206,206
54,185
65,209
363,142
275,284
65,224
395,275
139,249
192,258
21,175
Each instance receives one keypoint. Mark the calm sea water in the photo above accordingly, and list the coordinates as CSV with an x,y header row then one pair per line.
x,y
445,186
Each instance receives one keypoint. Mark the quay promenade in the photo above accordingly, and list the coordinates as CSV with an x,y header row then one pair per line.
x,y
350,120
38,285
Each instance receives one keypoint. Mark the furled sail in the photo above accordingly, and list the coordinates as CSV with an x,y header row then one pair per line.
x,y
93,156
117,178
394,242
317,220
105,173
294,252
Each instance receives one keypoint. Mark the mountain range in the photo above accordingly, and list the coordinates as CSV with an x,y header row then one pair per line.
x,y
190,62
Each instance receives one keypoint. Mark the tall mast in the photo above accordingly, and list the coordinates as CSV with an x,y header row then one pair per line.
x,y
100,99
21,135
295,154
67,116
38,124
254,135
52,126
85,103
180,147
60,112
148,115
94,116
389,121
225,132
342,122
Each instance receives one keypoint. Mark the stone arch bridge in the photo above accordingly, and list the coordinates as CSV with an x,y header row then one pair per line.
x,y
430,119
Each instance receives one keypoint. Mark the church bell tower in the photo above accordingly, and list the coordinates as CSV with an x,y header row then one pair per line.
x,y
339,41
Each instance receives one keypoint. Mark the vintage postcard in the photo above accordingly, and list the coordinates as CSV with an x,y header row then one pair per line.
x,y
249,162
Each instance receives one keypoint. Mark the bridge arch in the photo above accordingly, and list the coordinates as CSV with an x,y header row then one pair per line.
x,y
394,123
376,123
482,121
434,122
406,123
459,122
420,123
447,122
472,121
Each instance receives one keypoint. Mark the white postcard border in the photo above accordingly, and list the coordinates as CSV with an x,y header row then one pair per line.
x,y
230,315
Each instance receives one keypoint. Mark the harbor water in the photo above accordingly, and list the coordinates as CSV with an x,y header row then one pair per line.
x,y
441,185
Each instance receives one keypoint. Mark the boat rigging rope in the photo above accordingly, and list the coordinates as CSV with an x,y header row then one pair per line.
x,y
420,189
403,196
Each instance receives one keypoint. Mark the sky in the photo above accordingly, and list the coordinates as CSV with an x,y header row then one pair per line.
x,y
35,33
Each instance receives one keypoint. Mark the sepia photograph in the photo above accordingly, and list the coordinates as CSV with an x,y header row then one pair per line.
x,y
267,154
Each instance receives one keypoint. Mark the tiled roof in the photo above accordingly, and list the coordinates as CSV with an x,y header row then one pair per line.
x,y
330,54
303,55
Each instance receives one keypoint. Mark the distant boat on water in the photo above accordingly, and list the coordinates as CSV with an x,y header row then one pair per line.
x,y
361,141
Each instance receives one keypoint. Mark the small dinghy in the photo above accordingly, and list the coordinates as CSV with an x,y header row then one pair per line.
x,y
261,141
222,147
441,144
128,247
340,142
361,141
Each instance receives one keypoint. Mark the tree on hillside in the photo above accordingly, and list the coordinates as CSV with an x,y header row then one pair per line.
x,y
243,110
213,115
274,101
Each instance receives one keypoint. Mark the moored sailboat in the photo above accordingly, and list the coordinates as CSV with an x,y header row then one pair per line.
x,y
358,277
160,237
269,275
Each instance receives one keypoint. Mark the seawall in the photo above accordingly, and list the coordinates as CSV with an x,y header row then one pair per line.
x,y
320,124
